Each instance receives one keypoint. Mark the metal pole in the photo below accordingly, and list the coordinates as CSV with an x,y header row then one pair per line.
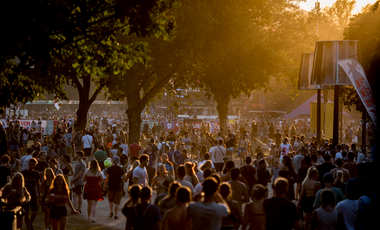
x,y
319,115
336,116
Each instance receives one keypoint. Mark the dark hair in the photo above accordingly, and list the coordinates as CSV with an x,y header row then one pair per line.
x,y
220,141
339,161
67,158
33,160
328,178
327,157
210,186
235,172
146,193
183,195
35,154
248,159
338,147
134,191
5,159
288,162
135,140
307,160
207,173
350,155
207,156
173,188
230,164
314,157
143,157
281,186
216,177
80,153
181,172
54,161
327,197
225,190
101,148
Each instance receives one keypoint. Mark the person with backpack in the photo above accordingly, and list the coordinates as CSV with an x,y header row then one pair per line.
x,y
78,141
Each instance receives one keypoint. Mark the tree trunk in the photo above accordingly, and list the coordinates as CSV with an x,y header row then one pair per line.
x,y
82,114
84,101
222,107
135,107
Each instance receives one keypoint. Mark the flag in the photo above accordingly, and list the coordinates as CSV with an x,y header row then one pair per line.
x,y
57,103
356,74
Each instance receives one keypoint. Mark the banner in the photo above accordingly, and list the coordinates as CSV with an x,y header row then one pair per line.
x,y
356,74
47,126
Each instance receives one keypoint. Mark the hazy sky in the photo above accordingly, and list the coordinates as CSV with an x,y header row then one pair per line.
x,y
309,4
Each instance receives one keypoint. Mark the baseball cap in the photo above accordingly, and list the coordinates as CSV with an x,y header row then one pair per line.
x,y
116,159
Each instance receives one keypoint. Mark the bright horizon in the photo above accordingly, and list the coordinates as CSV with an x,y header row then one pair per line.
x,y
309,4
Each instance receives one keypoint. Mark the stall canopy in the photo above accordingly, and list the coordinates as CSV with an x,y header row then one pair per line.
x,y
304,108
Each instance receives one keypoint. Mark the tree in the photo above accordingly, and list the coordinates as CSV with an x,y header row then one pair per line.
x,y
365,28
172,65
44,31
340,13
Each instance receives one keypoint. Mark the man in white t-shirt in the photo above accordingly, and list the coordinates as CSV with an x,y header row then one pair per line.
x,y
38,130
139,173
338,152
285,148
218,154
86,144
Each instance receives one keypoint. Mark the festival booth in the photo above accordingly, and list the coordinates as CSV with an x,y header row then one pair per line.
x,y
48,127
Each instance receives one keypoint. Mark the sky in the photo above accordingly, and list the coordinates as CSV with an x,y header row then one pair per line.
x,y
309,4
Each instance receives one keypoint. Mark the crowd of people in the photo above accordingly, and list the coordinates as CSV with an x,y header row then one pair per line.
x,y
256,175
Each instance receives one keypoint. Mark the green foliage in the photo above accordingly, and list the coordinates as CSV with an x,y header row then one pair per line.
x,y
76,34
365,27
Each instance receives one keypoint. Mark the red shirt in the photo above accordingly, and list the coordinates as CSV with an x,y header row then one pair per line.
x,y
134,148
59,197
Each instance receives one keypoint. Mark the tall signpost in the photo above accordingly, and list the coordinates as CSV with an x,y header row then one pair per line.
x,y
304,84
326,71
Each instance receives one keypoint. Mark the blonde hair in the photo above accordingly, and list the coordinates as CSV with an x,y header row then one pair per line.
x,y
310,173
64,185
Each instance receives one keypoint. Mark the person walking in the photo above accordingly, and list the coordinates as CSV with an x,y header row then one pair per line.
x,y
280,212
32,184
175,218
326,217
76,182
309,189
87,141
235,218
144,215
139,173
114,178
48,177
254,214
287,172
93,177
58,198
15,194
66,167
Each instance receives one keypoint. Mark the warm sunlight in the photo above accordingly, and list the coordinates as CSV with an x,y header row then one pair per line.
x,y
309,4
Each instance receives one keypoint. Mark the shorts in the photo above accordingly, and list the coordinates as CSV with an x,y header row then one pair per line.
x,y
241,149
231,149
14,147
25,142
57,212
87,152
114,197
78,189
69,150
31,205
218,167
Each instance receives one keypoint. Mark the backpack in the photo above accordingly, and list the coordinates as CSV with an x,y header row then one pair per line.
x,y
78,139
